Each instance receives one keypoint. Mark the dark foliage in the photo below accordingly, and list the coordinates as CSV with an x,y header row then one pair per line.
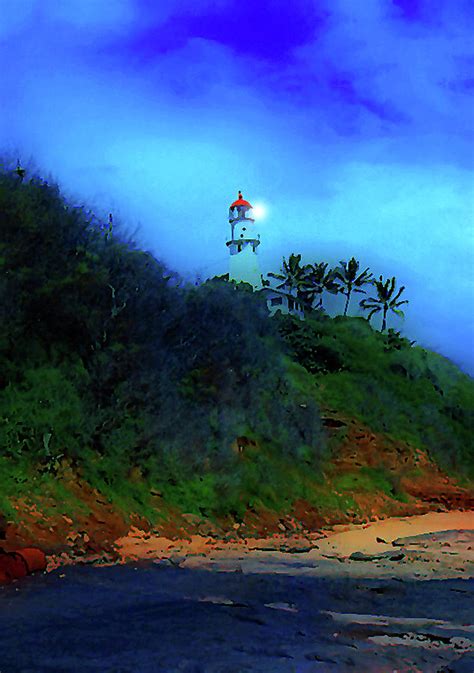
x,y
120,358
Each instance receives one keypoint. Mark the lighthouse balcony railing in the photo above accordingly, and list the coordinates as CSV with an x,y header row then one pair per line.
x,y
236,241
240,219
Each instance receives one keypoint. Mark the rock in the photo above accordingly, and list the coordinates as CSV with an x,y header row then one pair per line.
x,y
298,550
380,539
287,607
335,557
163,562
177,560
384,556
439,537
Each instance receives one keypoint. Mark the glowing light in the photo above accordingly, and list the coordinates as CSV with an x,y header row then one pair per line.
x,y
259,211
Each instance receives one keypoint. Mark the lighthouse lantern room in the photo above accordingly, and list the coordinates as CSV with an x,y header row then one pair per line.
x,y
243,243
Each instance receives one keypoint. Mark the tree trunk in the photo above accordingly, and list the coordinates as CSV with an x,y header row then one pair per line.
x,y
347,301
384,321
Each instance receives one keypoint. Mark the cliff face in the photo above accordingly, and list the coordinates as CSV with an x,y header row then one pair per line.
x,y
407,477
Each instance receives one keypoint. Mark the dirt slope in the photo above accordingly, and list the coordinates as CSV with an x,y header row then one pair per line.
x,y
423,485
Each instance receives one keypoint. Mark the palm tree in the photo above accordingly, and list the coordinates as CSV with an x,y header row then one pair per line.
x,y
294,275
384,301
347,274
317,280
294,271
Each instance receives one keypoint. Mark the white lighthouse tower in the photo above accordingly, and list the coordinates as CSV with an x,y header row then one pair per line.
x,y
243,243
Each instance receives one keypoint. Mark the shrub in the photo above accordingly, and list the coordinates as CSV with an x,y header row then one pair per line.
x,y
43,416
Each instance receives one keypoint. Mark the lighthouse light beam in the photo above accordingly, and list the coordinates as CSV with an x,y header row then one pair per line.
x,y
259,211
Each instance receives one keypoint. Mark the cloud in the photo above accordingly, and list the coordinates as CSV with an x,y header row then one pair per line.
x,y
84,17
379,76
265,30
353,126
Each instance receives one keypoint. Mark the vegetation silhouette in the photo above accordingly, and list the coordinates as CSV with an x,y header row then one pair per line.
x,y
384,301
317,281
347,275
311,280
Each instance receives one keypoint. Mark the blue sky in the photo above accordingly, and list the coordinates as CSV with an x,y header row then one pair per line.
x,y
351,121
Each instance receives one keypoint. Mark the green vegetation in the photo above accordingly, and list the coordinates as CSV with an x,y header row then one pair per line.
x,y
21,478
404,391
111,364
370,480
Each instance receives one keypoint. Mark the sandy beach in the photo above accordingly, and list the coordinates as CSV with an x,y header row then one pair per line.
x,y
437,544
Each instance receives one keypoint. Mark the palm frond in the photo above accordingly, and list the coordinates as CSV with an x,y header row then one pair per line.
x,y
398,312
374,311
399,293
364,303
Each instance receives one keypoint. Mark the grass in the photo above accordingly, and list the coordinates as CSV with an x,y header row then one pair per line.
x,y
20,479
370,480
327,500
128,495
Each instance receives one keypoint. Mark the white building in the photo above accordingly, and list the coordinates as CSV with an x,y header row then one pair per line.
x,y
281,297
243,243
244,265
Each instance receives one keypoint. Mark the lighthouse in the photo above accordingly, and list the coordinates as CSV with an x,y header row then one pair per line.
x,y
243,243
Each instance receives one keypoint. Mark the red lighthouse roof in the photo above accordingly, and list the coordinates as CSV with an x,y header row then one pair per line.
x,y
240,202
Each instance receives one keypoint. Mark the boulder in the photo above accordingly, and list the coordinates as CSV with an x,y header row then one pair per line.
x,y
384,556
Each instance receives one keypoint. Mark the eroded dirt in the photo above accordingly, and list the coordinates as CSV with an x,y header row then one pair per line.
x,y
91,533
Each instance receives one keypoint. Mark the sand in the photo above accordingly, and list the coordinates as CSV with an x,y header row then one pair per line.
x,y
364,538
445,551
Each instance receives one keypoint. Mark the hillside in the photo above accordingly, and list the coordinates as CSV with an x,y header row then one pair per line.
x,y
128,397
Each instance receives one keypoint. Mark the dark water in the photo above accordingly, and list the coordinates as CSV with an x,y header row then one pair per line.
x,y
149,619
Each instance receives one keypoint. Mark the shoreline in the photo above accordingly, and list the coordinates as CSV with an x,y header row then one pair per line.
x,y
433,545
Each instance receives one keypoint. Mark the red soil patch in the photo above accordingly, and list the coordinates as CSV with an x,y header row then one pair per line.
x,y
412,470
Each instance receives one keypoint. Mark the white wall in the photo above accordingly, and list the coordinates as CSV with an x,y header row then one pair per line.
x,y
244,266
